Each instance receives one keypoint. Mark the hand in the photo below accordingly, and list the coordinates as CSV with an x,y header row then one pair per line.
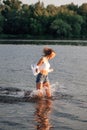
x,y
51,70
37,70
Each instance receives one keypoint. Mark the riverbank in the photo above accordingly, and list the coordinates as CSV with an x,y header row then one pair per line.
x,y
38,42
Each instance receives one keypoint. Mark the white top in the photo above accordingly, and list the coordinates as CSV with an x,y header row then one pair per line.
x,y
45,65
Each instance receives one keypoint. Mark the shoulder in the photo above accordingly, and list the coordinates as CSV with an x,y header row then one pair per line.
x,y
44,59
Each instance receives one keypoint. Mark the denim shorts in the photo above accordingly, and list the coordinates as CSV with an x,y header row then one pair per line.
x,y
41,78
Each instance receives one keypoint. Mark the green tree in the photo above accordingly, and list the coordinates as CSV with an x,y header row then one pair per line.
x,y
83,9
52,10
66,21
12,4
11,13
73,7
35,27
83,12
1,23
38,9
74,20
60,28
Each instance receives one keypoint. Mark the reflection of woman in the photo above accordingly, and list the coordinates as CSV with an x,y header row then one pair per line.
x,y
43,68
43,108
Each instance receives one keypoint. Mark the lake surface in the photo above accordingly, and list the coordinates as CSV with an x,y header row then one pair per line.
x,y
68,110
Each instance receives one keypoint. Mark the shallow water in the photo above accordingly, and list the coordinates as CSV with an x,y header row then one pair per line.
x,y
68,110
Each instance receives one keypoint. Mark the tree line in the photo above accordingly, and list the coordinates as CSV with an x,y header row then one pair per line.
x,y
61,22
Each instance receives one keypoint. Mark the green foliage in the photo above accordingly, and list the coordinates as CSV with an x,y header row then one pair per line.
x,y
66,21
60,28
1,23
72,7
83,9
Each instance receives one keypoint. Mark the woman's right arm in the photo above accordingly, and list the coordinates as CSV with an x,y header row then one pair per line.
x,y
40,62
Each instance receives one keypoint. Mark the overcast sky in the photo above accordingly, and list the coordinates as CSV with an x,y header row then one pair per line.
x,y
55,2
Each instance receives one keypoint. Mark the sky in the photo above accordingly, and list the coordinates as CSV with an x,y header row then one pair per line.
x,y
55,2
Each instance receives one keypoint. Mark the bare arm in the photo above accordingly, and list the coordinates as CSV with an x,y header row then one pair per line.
x,y
40,62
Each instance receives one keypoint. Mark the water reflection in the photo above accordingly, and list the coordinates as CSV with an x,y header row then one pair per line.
x,y
43,110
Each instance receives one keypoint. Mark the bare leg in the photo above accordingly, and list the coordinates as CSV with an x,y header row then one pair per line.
x,y
39,86
47,89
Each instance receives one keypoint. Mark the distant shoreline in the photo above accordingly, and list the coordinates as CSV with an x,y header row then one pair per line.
x,y
38,42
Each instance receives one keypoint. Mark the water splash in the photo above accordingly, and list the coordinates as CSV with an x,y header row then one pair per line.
x,y
36,92
55,87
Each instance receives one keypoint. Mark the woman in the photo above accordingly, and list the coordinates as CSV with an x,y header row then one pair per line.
x,y
43,68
